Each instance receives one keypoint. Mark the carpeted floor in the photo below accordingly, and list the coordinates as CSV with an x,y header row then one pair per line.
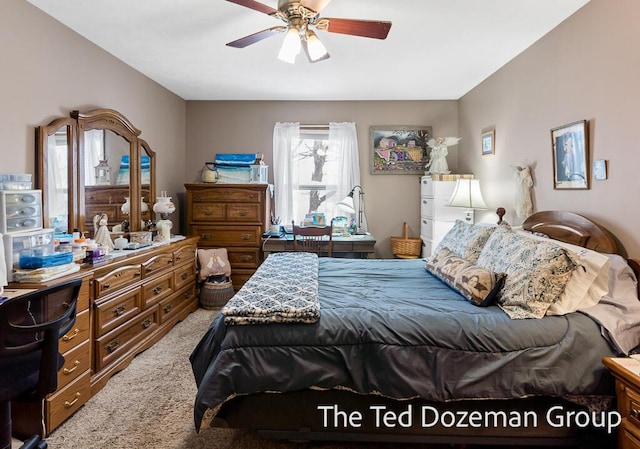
x,y
150,405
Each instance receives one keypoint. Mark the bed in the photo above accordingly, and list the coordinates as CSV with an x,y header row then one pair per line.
x,y
399,354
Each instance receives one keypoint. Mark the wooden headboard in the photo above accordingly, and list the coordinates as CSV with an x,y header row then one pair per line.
x,y
572,228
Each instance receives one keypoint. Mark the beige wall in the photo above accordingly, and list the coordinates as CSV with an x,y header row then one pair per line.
x,y
49,70
247,127
587,68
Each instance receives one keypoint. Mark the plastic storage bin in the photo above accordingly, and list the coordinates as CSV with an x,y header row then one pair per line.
x,y
41,241
20,210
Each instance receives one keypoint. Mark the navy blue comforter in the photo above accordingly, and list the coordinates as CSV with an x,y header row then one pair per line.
x,y
391,328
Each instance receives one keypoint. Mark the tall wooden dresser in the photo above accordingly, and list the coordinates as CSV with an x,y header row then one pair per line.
x,y
231,216
436,218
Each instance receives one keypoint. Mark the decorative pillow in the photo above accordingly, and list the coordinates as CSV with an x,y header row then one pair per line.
x,y
466,240
213,262
478,285
537,272
588,282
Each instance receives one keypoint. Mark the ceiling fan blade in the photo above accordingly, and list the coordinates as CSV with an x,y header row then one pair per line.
x,y
315,5
256,37
364,28
257,6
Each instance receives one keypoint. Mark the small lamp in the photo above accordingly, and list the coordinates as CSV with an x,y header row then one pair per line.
x,y
164,207
467,194
348,204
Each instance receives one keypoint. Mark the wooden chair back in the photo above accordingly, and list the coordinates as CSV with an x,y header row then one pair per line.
x,y
313,239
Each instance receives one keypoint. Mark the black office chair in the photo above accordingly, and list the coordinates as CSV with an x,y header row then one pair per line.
x,y
30,327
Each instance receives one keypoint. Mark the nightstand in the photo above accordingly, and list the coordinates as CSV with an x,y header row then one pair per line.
x,y
627,374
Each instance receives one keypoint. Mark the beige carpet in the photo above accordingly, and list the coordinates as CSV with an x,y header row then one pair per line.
x,y
150,405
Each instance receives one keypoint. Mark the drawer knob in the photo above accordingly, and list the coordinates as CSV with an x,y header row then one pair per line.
x,y
243,213
167,308
184,276
246,236
205,236
188,294
207,212
157,290
72,335
146,323
635,413
69,404
246,258
112,345
70,370
119,310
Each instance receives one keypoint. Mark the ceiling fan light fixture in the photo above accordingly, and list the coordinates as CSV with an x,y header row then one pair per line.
x,y
317,50
290,46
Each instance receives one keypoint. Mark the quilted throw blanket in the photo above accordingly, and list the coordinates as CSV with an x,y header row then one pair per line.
x,y
284,289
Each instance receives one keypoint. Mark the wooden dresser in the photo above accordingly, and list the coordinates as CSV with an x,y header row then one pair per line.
x,y
627,373
125,306
231,216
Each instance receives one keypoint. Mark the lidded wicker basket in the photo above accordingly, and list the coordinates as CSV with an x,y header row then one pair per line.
x,y
405,247
214,295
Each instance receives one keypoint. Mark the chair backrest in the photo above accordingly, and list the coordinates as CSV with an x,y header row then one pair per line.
x,y
36,322
313,239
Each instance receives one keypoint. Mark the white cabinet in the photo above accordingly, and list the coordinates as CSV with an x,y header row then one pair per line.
x,y
436,218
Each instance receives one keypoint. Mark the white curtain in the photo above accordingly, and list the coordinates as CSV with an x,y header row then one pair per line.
x,y
93,151
343,140
284,135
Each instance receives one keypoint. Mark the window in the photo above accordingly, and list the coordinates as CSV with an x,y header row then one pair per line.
x,y
315,167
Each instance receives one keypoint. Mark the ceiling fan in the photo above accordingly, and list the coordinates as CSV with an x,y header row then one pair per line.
x,y
300,17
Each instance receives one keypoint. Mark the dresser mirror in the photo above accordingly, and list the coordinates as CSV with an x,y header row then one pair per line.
x,y
106,166
57,173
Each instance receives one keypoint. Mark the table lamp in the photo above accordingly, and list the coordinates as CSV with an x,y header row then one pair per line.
x,y
467,195
348,204
164,207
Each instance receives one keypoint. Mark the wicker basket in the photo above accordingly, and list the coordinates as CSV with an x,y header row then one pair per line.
x,y
214,295
405,247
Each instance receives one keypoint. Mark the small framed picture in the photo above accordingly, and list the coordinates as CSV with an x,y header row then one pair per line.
x,y
489,143
600,170
570,146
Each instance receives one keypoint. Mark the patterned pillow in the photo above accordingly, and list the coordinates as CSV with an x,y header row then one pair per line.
x,y
478,285
466,240
213,262
537,272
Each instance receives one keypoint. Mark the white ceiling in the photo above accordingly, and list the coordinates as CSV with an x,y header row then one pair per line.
x,y
436,49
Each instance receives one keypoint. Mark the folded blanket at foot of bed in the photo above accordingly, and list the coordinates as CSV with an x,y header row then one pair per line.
x,y
284,289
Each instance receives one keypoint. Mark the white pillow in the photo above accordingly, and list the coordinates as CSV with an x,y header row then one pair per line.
x,y
588,283
619,310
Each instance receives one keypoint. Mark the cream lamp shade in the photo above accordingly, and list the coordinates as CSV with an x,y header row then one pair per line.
x,y
467,194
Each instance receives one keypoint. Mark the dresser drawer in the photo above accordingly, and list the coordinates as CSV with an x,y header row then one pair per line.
x,y
184,275
223,236
110,195
171,306
208,212
157,264
76,362
118,310
628,435
185,254
244,213
438,208
118,342
244,257
227,195
65,402
156,290
79,333
118,278
426,227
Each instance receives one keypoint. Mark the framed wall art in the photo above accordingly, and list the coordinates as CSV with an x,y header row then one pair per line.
x,y
570,147
489,143
398,150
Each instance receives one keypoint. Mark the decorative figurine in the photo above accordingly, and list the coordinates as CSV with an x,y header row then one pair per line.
x,y
438,157
101,231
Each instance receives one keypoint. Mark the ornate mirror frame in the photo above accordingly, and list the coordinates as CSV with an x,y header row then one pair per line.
x,y
77,125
